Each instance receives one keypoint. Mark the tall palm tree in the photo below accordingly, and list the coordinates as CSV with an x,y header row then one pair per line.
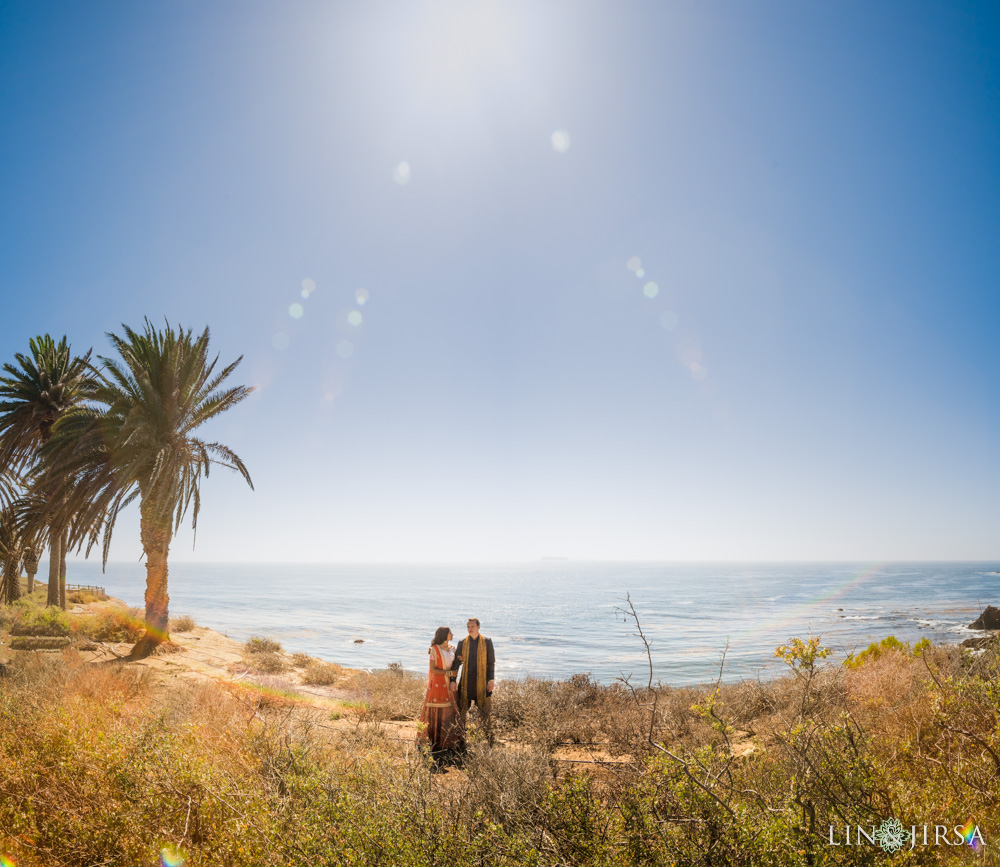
x,y
11,557
31,557
34,394
32,517
134,439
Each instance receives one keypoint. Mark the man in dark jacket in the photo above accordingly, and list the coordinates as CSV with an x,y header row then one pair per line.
x,y
476,657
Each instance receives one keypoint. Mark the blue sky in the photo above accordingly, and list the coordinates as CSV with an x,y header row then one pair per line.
x,y
805,369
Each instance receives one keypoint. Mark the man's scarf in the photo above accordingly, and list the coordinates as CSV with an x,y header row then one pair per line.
x,y
481,669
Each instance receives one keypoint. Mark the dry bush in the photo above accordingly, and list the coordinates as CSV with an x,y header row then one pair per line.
x,y
113,623
388,694
183,623
263,662
260,644
580,711
884,682
548,711
301,660
85,597
506,785
261,656
321,673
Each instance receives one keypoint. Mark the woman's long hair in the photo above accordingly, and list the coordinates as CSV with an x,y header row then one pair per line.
x,y
441,635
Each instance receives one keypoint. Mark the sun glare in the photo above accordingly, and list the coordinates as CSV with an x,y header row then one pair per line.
x,y
462,48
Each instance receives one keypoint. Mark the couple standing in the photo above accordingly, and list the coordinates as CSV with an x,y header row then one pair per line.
x,y
450,693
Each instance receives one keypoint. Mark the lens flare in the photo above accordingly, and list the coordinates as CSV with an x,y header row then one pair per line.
x,y
170,856
971,834
795,616
640,273
634,264
308,287
650,290
401,174
7,861
689,352
360,297
296,311
560,141
354,318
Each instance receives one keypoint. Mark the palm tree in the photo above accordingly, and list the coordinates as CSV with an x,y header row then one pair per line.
x,y
9,485
34,395
134,439
31,556
32,517
11,557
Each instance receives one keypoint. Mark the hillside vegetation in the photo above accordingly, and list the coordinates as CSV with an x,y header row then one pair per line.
x,y
101,765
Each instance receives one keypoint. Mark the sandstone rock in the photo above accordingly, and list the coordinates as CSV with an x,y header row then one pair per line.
x,y
989,619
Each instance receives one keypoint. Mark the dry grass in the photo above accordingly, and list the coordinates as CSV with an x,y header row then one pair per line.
x,y
389,694
85,597
261,656
260,644
262,663
98,765
319,673
112,624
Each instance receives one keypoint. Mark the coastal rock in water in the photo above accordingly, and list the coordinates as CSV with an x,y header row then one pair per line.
x,y
989,619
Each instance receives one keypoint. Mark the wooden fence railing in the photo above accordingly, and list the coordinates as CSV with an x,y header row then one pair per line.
x,y
92,588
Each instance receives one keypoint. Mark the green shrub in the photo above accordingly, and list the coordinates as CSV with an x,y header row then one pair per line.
x,y
40,621
112,624
887,645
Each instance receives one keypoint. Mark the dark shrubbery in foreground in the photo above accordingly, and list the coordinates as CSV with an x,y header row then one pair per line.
x,y
99,766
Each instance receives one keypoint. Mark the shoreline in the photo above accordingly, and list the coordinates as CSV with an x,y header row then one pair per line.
x,y
558,619
214,655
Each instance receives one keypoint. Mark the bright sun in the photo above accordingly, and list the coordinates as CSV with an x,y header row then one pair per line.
x,y
462,49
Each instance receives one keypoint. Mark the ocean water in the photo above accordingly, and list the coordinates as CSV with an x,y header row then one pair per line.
x,y
559,618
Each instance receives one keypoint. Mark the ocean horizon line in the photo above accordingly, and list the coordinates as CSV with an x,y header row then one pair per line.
x,y
520,562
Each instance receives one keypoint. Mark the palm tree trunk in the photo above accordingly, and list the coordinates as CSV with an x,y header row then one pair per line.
x,y
55,560
62,570
156,537
11,581
31,568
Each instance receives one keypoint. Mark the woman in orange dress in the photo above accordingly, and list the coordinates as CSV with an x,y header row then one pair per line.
x,y
441,728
